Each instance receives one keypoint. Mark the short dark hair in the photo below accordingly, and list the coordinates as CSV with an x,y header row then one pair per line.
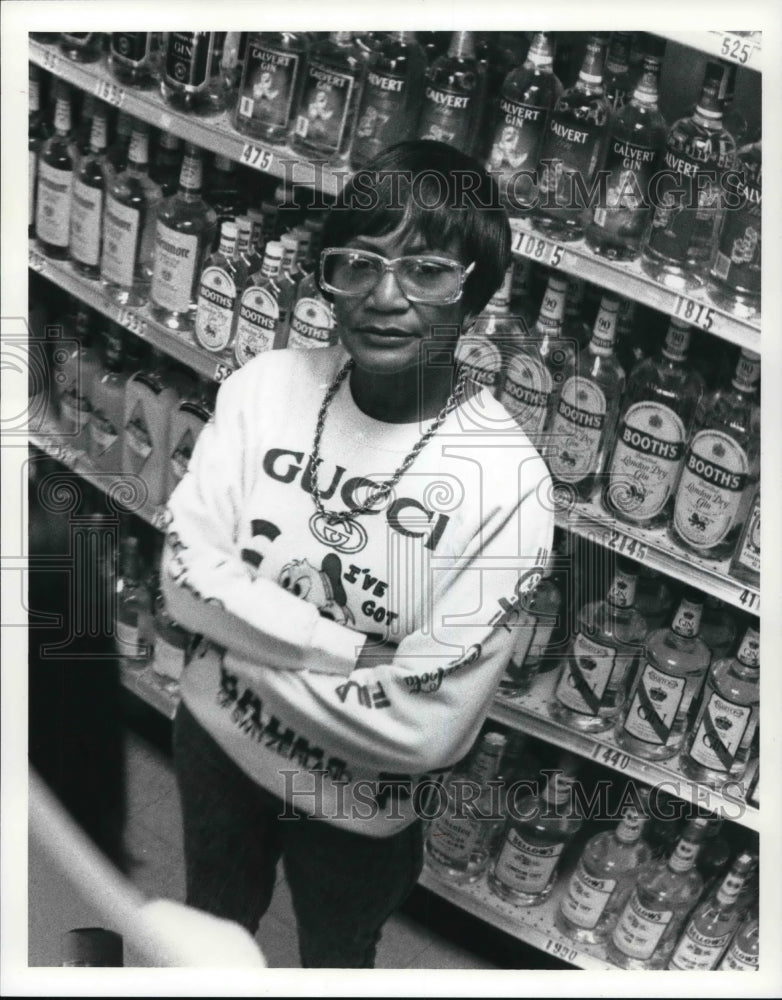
x,y
434,189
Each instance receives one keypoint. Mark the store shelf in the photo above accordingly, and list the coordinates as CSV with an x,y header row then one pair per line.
x,y
529,714
161,695
629,280
137,321
744,49
213,132
655,549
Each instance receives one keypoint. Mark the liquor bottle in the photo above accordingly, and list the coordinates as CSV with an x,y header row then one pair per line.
x,y
719,464
108,404
585,410
129,226
457,844
573,150
734,279
538,365
325,115
171,643
523,304
90,105
223,191
187,422
718,627
190,78
714,920
388,111
540,611
312,320
499,326
719,744
603,879
682,235
217,295
57,165
89,187
74,377
715,853
666,686
133,57
654,597
37,133
133,604
658,410
117,153
592,685
82,46
742,953
271,84
636,140
150,398
526,868
288,282
166,163
185,230
450,110
481,359
745,565
732,116
246,254
260,316
617,78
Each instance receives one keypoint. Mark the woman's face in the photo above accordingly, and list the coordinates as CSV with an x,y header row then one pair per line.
x,y
383,331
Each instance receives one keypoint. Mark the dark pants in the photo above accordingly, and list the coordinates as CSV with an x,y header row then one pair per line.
x,y
344,886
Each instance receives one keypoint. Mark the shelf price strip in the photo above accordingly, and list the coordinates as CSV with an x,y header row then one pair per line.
x,y
257,157
108,91
737,49
537,248
694,312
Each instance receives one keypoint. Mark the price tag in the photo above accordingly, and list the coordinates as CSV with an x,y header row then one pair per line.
x,y
738,50
694,312
50,60
612,758
538,248
257,157
625,545
750,600
131,321
222,372
561,950
36,260
110,92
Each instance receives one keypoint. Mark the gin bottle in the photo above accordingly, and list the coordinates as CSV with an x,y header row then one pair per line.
x,y
57,167
450,110
88,198
592,685
191,78
260,315
659,407
666,686
718,627
218,288
618,78
312,320
271,83
75,375
133,604
133,57
734,279
108,405
742,954
719,744
540,613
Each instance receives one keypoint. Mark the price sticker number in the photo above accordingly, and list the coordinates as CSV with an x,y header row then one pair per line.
x,y
222,372
36,260
750,600
131,321
257,157
538,249
625,545
694,312
561,950
737,49
612,758
108,91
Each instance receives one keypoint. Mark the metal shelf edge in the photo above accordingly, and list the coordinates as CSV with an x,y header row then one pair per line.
x,y
735,48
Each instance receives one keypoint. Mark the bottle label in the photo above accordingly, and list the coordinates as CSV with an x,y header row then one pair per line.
x,y
132,48
103,434
687,621
311,324
269,85
446,116
525,866
53,211
748,554
722,730
577,430
181,455
138,441
189,60
325,107
138,151
658,699
571,148
216,303
639,930
121,226
738,260
259,314
481,359
381,116
698,951
709,493
86,218
586,675
630,168
646,462
740,960
586,898
518,136
176,257
169,659
526,391
452,839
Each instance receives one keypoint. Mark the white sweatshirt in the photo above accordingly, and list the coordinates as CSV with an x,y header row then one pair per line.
x,y
287,602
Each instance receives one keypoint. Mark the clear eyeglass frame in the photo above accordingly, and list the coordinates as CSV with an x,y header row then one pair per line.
x,y
459,271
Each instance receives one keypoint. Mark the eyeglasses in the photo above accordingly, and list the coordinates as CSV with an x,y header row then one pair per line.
x,y
430,279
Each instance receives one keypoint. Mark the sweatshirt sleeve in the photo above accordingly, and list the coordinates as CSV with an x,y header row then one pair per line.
x,y
209,590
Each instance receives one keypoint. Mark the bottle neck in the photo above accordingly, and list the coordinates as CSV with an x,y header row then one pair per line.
x,y
677,341
485,766
190,177
630,828
462,45
98,135
687,620
138,153
646,93
749,650
552,308
590,77
604,333
621,593
684,855
618,58
541,53
731,886
62,116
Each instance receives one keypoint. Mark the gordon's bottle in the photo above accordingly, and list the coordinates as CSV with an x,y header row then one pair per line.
x,y
666,686
89,188
190,78
450,109
573,150
150,399
658,410
108,404
57,166
745,565
720,742
324,120
260,316
388,111
271,83
312,320
720,463
221,278
742,953
133,604
734,279
187,422
37,133
584,412
528,94
133,57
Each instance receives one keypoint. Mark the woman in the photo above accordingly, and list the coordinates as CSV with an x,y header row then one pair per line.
x,y
354,533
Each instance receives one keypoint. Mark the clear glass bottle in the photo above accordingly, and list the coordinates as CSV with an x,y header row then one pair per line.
x,y
74,377
666,686
584,412
745,565
312,320
742,953
108,404
185,232
57,165
259,308
635,144
497,325
528,94
720,464
133,57
599,887
117,153
654,597
450,108
89,188
221,279
250,259
271,84
82,46
388,111
191,78
482,360
540,610
719,744
658,410
133,604
187,422
456,847
617,78
166,163
129,223
573,150
38,132
719,629
325,117
690,198
223,191
592,685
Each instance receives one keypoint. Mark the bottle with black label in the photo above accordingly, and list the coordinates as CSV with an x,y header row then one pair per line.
x,y
221,279
190,76
658,410
450,109
573,151
133,57
734,279
388,111
89,188
82,46
108,404
38,132
325,117
271,84
720,465
57,166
